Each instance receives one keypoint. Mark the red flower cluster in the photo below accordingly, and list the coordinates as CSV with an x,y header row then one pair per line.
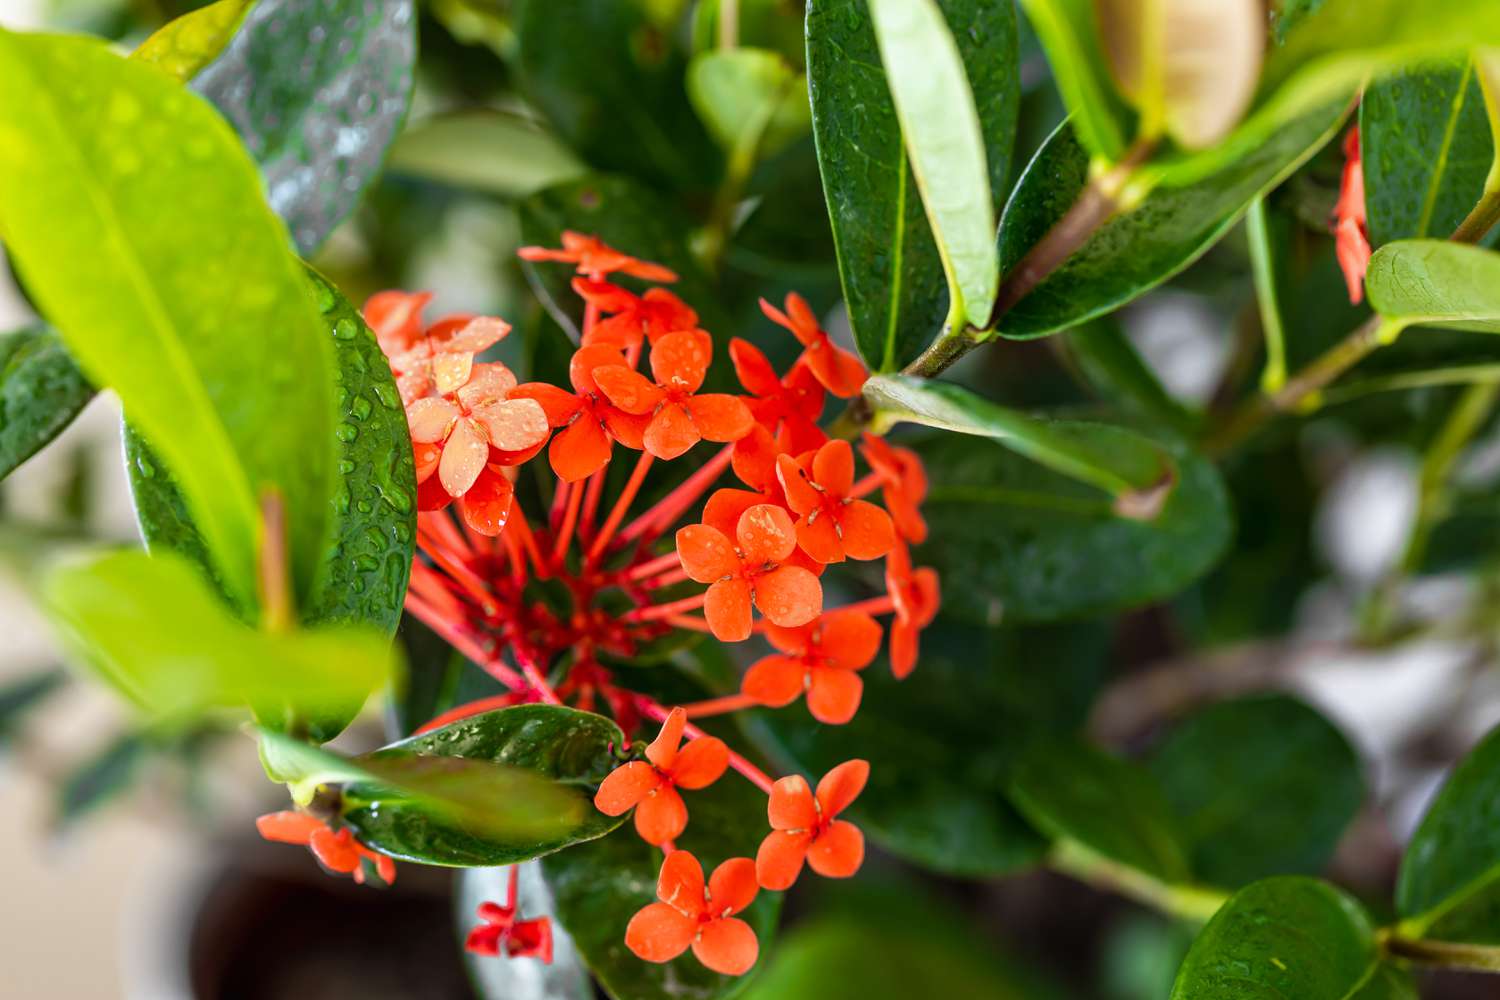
x,y
1350,233
338,851
636,381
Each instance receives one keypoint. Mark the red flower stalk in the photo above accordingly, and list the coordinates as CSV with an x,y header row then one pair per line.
x,y
1351,235
691,914
841,372
821,658
650,786
805,828
337,851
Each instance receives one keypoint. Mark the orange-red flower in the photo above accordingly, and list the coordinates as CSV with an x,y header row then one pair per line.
x,y
396,318
752,568
679,417
791,405
467,423
633,317
841,372
903,485
595,258
1351,236
338,852
442,359
650,786
833,525
915,596
806,828
591,423
502,931
703,917
822,658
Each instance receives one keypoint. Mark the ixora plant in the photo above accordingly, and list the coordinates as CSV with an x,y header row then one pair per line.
x,y
671,612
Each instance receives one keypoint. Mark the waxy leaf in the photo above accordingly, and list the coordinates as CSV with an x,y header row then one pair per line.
x,y
1068,31
317,91
184,45
488,151
1288,937
599,886
506,978
889,262
1263,786
752,101
1032,545
1426,151
1112,808
1436,283
136,220
1109,362
553,758
939,766
1144,246
41,391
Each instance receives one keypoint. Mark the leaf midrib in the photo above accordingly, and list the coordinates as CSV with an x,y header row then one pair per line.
x,y
1429,201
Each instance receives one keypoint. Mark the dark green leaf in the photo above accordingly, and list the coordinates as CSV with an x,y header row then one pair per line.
x,y
1028,544
1426,150
19,697
599,886
568,748
940,766
1284,938
889,263
504,978
101,779
487,151
1140,248
317,91
184,45
1110,363
1436,283
1068,30
1263,785
1115,809
171,283
41,391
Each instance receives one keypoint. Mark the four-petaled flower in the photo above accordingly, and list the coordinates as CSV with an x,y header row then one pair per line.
x,y
517,938
691,914
789,406
832,524
752,568
679,417
915,596
903,485
839,370
822,658
633,317
338,851
650,786
396,318
442,359
1351,244
806,827
594,258
590,423
479,415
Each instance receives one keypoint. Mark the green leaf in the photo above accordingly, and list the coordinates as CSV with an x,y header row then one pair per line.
x,y
1029,544
945,142
1130,467
171,284
1263,785
1113,808
484,150
1155,239
940,766
1436,283
551,757
600,885
889,262
751,100
154,629
1069,32
41,391
1108,361
186,44
1449,886
504,978
20,696
1426,151
317,91
101,779
610,79
1286,937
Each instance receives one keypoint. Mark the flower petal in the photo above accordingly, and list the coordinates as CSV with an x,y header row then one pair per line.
x,y
681,359
463,458
732,886
833,467
478,334
451,370
430,419
700,763
627,428
671,432
833,695
850,639
680,883
838,851
624,787
586,359
867,530
486,507
723,509
726,606
780,858
801,495
728,946
765,535
775,680
789,596
706,553
903,648
662,751
513,424
288,827
579,450
336,851
396,318
818,535
661,815
487,383
627,388
842,786
753,369
720,417
658,933
559,406
791,805
754,459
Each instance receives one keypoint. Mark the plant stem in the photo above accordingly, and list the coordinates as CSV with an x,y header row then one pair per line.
x,y
1189,902
1482,219
1263,270
1444,954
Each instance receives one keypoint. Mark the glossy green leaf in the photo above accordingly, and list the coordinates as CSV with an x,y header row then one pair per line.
x,y
505,978
1109,363
1139,249
945,145
940,766
570,751
20,696
41,391
1263,786
186,44
486,151
1029,544
317,91
599,886
889,263
1068,30
1286,937
136,220
751,100
102,778
1436,283
1426,151
1128,466
154,629
610,79
1113,808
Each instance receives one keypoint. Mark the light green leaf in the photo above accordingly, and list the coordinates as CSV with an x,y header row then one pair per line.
x,y
184,45
752,101
137,221
941,129
1069,33
1436,283
489,151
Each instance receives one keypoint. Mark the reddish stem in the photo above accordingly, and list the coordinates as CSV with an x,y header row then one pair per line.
x,y
651,567
466,710
656,612
671,506
464,643
667,579
617,513
466,578
534,674
570,521
867,485
591,502
719,706
654,710
528,539
690,622
512,891
872,606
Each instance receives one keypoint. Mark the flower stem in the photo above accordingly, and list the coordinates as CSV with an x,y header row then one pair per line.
x,y
570,521
464,643
656,612
617,513
1482,219
274,573
655,710
1189,902
533,674
653,567
466,710
718,706
670,507
1444,954
871,606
